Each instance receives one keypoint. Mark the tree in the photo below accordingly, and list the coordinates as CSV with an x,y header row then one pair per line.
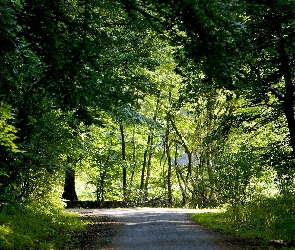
x,y
270,34
124,170
66,58
245,46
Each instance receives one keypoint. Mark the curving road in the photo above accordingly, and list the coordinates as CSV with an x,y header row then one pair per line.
x,y
163,229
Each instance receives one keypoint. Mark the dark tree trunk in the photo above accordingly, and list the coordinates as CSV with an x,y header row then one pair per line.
x,y
289,103
134,163
148,153
168,155
144,164
124,174
180,178
183,143
69,186
149,167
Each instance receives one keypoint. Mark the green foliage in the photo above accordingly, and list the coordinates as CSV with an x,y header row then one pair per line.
x,y
266,218
8,148
7,130
213,219
99,171
38,225
35,171
274,217
62,64
235,171
73,72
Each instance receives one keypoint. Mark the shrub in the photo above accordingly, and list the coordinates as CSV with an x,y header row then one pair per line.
x,y
37,225
268,219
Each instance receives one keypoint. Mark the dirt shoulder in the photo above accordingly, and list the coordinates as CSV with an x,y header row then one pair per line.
x,y
100,232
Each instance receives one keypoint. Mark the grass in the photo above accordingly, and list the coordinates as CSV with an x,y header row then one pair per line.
x,y
38,226
268,219
221,221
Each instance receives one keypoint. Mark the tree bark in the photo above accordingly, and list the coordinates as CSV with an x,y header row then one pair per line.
x,y
134,154
148,153
149,167
144,164
169,171
180,178
289,102
186,149
69,186
124,170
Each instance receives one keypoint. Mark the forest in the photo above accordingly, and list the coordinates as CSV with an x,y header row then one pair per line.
x,y
174,103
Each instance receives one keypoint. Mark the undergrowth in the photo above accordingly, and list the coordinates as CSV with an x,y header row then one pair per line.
x,y
267,219
44,226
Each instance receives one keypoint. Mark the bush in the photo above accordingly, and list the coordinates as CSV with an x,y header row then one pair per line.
x,y
273,217
268,219
38,226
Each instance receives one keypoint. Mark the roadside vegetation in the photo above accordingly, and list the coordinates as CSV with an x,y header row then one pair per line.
x,y
269,220
35,225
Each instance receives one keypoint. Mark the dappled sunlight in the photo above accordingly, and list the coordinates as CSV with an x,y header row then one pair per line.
x,y
126,211
141,105
158,228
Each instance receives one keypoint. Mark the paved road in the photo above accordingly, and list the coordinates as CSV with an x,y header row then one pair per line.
x,y
163,229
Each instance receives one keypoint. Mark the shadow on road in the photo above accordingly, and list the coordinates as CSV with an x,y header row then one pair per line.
x,y
154,228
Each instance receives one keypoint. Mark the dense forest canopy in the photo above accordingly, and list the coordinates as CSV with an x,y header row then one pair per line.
x,y
183,102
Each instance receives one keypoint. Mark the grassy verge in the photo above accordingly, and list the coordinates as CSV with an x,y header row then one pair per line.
x,y
38,226
270,219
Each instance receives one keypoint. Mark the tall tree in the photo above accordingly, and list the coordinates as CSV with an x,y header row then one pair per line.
x,y
124,170
73,57
245,46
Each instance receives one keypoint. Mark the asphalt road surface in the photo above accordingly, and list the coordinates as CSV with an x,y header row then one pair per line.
x,y
163,229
